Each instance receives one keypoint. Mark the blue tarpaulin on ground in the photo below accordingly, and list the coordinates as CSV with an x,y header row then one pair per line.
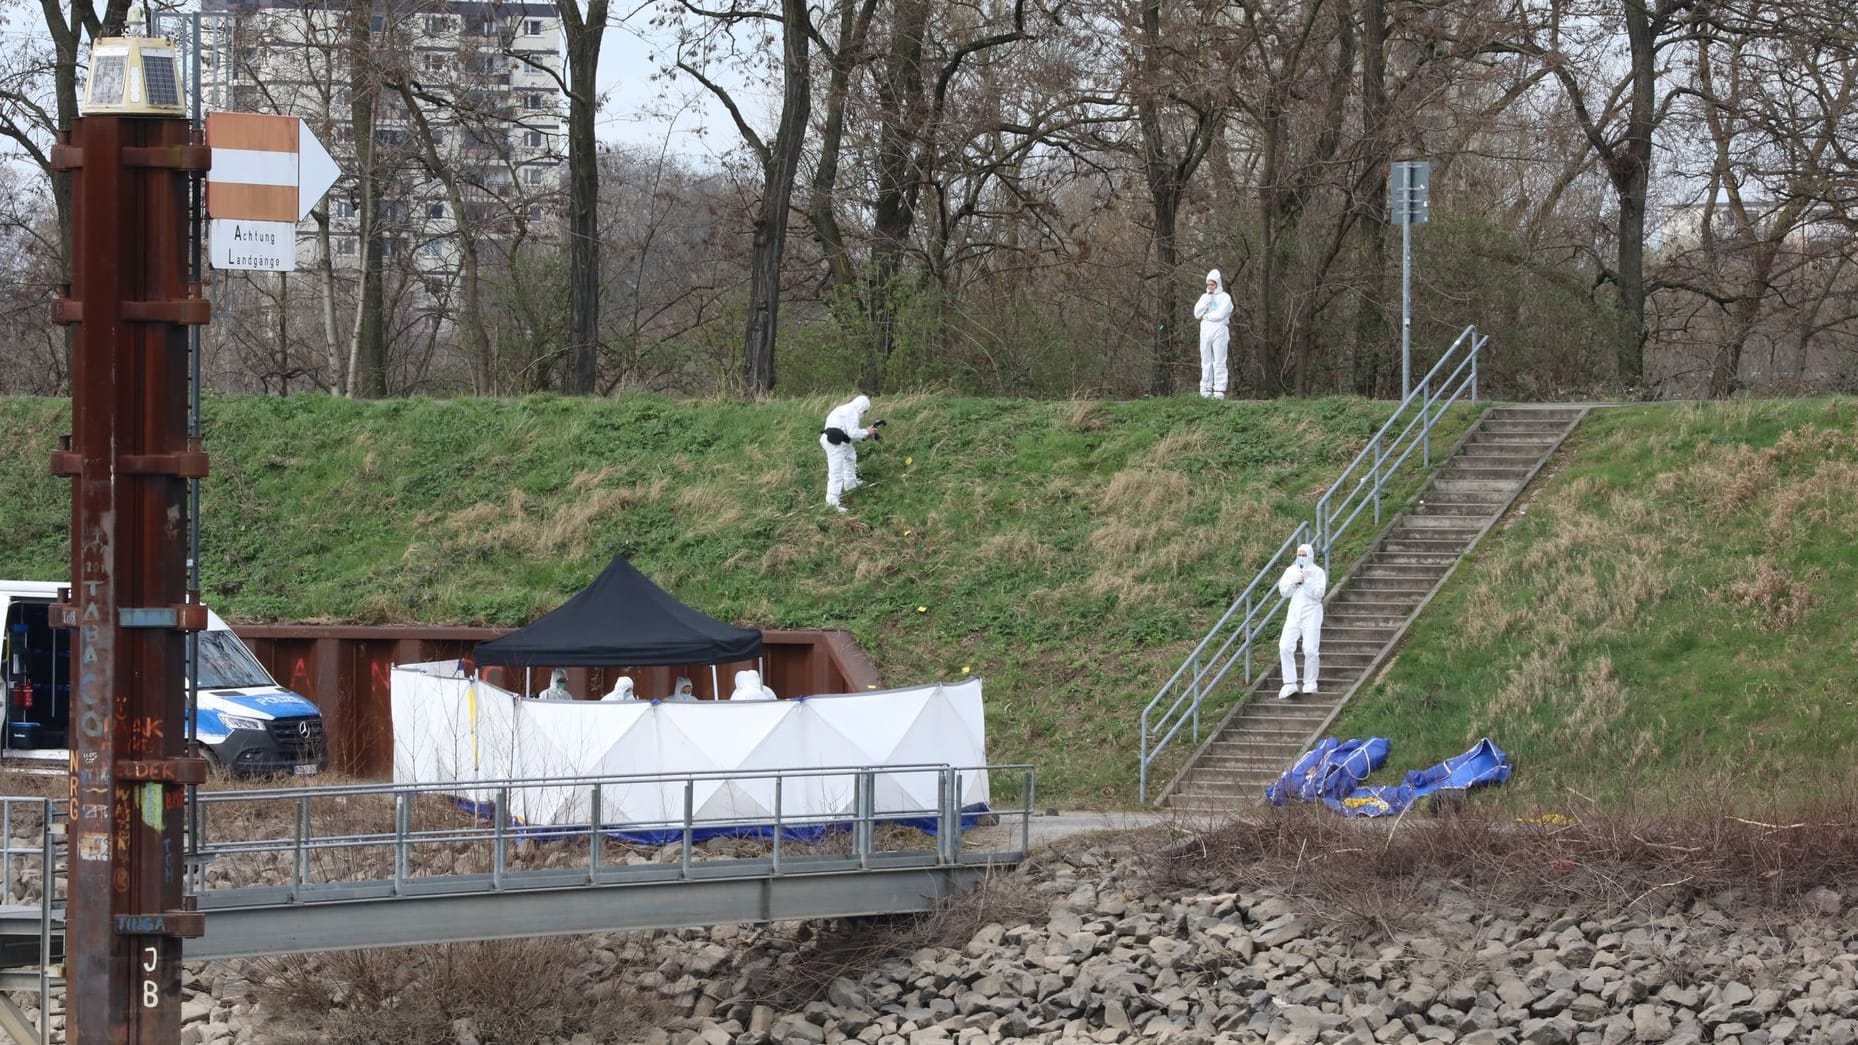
x,y
1332,772
1484,764
1329,770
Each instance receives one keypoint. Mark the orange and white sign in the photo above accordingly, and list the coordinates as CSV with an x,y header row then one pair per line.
x,y
268,171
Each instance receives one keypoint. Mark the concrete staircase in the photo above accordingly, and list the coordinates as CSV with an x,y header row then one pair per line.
x,y
1368,611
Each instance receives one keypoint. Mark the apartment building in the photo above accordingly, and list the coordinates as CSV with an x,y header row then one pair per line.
x,y
485,83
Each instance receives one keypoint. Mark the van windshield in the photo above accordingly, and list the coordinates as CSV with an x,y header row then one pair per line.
x,y
225,663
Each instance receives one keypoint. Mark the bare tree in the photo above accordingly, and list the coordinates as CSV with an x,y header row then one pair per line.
x,y
778,158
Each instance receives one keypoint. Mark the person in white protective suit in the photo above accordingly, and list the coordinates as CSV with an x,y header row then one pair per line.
x,y
748,686
1214,311
1303,583
622,690
844,427
683,692
557,687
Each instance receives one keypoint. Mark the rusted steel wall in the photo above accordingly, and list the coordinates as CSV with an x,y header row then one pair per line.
x,y
347,671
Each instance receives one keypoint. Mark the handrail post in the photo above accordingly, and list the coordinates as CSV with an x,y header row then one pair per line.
x,y
774,862
690,815
593,833
1025,817
1475,346
1246,623
498,853
1379,452
861,813
1425,425
300,863
948,833
402,827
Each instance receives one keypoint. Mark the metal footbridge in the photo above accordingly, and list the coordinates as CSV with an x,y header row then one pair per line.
x,y
302,869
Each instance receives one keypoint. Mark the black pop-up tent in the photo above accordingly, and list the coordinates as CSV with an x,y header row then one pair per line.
x,y
622,618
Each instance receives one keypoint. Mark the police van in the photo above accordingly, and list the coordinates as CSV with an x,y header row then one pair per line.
x,y
247,725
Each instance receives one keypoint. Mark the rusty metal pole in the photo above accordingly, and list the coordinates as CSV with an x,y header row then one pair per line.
x,y
130,457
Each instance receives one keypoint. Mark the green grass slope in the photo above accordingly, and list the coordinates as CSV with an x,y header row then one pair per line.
x,y
1070,553
1671,611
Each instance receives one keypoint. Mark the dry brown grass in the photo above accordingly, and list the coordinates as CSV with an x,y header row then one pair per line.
x,y
1778,599
1590,862
510,992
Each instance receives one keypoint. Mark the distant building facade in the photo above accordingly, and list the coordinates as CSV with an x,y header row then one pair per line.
x,y
486,80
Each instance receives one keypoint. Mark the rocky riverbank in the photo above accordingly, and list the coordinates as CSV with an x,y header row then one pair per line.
x,y
1087,942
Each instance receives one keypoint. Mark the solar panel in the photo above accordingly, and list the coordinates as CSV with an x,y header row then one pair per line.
x,y
158,71
106,79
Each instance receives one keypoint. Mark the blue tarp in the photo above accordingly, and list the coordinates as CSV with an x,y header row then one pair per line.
x,y
1329,770
1484,764
1332,772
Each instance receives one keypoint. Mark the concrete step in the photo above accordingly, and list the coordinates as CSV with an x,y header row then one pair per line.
x,y
1444,559
1455,508
1501,487
1565,414
1407,540
1506,473
1445,525
1547,425
1519,441
1492,455
1486,503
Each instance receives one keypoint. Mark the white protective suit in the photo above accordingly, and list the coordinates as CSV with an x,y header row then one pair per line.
x,y
1214,311
1303,584
622,690
748,687
683,692
557,687
842,458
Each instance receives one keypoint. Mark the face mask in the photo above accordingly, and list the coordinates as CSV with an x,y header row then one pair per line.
x,y
1303,560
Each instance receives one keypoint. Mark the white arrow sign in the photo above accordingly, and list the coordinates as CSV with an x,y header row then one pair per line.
x,y
267,173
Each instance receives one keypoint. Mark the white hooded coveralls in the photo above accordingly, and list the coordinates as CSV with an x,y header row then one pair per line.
x,y
622,690
1304,586
1214,311
748,686
842,459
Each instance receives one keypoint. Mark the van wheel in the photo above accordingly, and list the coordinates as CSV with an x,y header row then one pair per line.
x,y
215,769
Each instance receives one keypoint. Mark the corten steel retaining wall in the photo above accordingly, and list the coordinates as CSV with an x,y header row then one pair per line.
x,y
347,671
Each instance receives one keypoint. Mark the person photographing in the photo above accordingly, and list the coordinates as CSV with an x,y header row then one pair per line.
x,y
844,427
1214,311
1304,584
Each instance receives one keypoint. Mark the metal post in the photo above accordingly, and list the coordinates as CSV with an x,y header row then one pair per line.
x,y
130,457
403,826
690,813
1406,308
774,863
497,854
593,830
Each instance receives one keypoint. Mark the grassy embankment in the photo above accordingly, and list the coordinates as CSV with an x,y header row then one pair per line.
x,y
1070,553
1669,616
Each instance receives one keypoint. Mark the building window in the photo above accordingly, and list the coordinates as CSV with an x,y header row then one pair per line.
x,y
432,61
376,23
435,210
486,27
533,139
434,249
344,209
533,101
344,246
435,23
532,176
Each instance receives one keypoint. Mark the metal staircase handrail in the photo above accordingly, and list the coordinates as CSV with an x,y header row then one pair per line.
x,y
1231,640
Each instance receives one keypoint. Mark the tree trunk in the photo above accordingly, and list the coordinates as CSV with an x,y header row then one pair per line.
x,y
1162,348
1630,171
1373,331
367,372
853,27
780,165
583,191
899,97
332,339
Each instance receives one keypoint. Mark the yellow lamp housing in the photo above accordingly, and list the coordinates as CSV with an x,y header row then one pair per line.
x,y
133,75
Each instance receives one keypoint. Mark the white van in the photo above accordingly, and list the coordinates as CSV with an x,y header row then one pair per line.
x,y
248,724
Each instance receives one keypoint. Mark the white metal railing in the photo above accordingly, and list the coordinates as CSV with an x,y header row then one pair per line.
x,y
321,842
1362,486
